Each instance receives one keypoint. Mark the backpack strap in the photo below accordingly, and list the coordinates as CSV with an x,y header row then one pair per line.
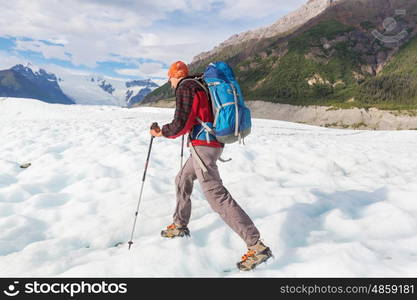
x,y
198,82
205,126
197,158
213,101
236,110
208,94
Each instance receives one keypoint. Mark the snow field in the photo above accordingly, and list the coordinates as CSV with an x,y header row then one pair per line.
x,y
328,202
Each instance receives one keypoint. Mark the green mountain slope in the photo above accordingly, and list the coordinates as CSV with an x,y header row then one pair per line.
x,y
333,59
396,85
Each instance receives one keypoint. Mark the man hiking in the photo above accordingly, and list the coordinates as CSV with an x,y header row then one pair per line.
x,y
192,104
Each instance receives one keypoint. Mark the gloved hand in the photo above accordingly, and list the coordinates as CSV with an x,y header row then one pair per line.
x,y
155,130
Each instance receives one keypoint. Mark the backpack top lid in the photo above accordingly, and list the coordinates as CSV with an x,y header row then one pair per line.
x,y
219,70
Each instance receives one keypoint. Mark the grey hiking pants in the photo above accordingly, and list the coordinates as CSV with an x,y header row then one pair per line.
x,y
217,195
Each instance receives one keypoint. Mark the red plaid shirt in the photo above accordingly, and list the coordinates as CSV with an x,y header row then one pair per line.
x,y
191,102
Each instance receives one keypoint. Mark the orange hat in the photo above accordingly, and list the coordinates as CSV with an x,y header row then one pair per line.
x,y
178,70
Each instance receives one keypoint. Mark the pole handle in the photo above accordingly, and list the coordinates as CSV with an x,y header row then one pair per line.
x,y
154,125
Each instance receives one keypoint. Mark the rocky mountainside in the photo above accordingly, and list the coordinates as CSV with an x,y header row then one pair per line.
x,y
353,53
289,22
23,82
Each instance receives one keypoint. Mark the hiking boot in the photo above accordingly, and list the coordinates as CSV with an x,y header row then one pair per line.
x,y
175,230
256,255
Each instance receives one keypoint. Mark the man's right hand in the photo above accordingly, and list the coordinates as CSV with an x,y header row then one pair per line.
x,y
155,130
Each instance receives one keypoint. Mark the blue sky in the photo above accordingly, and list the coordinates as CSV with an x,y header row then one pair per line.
x,y
125,38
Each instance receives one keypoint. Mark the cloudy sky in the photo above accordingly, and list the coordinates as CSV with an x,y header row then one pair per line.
x,y
124,38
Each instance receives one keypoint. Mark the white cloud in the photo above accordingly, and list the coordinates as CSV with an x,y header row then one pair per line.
x,y
199,5
7,60
145,70
129,72
153,69
48,51
91,31
236,9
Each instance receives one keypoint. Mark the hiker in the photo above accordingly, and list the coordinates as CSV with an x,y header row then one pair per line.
x,y
192,103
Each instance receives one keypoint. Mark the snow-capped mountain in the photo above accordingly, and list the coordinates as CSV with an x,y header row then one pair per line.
x,y
32,82
138,89
84,91
98,89
66,87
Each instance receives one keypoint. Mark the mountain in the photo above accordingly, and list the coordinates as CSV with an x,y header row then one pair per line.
x,y
23,82
98,89
294,19
107,87
351,53
137,90
86,90
32,82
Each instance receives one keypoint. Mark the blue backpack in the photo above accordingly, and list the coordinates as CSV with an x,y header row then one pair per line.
x,y
232,118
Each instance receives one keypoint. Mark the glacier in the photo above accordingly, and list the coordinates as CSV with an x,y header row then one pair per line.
x,y
329,202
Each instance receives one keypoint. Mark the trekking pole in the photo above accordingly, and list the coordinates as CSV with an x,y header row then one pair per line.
x,y
141,189
182,150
